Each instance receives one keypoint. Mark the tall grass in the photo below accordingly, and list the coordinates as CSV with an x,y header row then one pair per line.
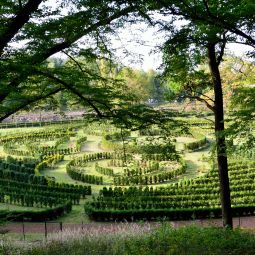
x,y
144,240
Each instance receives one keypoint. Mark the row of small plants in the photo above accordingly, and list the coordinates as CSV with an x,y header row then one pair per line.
x,y
34,136
41,149
104,170
12,143
68,123
12,149
17,165
199,196
83,160
200,142
150,150
63,188
79,142
147,179
131,176
45,214
99,129
75,171
24,188
51,150
48,162
139,168
166,214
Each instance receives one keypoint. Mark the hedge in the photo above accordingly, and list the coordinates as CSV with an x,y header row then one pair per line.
x,y
48,214
169,214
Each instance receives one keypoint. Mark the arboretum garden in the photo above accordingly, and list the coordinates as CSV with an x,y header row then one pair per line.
x,y
163,97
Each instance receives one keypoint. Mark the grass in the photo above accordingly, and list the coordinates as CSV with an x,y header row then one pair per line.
x,y
59,172
143,239
77,215
19,237
10,207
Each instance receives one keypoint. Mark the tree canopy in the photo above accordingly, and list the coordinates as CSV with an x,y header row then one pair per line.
x,y
32,31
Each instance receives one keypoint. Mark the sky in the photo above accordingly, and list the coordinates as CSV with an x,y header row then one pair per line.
x,y
147,50
137,45
140,44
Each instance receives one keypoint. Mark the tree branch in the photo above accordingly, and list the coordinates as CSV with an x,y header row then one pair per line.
x,y
209,98
20,4
211,107
210,18
68,42
217,20
30,101
207,7
73,90
40,57
18,22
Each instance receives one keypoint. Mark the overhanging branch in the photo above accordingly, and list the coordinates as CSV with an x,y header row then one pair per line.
x,y
30,101
211,107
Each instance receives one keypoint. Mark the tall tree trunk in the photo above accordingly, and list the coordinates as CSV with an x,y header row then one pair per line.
x,y
220,139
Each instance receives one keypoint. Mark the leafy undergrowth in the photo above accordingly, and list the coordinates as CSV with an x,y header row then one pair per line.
x,y
144,239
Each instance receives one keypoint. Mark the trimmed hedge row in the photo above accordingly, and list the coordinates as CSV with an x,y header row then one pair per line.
x,y
44,215
104,170
48,162
39,123
77,174
36,136
169,214
191,146
155,178
79,143
197,193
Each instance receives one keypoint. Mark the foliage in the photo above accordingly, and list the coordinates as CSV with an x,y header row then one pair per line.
x,y
146,85
200,142
197,198
33,31
148,240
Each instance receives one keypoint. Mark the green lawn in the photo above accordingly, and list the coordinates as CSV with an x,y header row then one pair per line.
x,y
10,207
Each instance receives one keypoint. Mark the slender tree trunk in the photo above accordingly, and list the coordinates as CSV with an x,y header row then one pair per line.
x,y
220,139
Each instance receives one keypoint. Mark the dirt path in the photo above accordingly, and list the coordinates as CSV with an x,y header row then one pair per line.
x,y
247,222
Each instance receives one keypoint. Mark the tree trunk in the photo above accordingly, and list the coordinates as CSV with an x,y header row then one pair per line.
x,y
221,149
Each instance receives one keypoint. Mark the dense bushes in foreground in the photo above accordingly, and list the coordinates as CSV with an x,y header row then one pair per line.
x,y
145,240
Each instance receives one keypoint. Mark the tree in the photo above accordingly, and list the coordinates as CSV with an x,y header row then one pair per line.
x,y
187,49
31,31
236,17
45,31
144,84
240,73
209,25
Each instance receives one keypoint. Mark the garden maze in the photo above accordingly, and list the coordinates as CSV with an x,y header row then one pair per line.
x,y
131,176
